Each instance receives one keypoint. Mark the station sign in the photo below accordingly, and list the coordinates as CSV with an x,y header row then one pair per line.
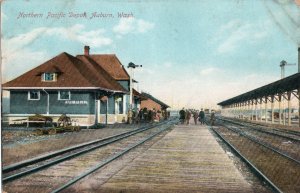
x,y
76,102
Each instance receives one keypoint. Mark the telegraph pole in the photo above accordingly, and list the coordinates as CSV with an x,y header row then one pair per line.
x,y
131,66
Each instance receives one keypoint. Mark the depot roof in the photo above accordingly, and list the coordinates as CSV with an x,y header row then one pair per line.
x,y
111,64
71,72
287,84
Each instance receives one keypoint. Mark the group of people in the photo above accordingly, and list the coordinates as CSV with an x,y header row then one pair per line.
x,y
185,116
147,116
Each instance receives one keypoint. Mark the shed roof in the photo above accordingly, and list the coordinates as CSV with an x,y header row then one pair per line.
x,y
155,100
287,84
139,95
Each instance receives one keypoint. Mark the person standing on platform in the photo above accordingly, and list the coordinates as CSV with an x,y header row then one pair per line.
x,y
212,118
182,115
188,117
140,115
137,117
195,115
130,115
150,116
202,117
145,114
154,113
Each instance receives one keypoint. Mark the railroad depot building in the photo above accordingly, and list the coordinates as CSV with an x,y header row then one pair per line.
x,y
88,88
151,102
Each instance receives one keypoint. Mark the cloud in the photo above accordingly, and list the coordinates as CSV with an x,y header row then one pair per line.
x,y
208,71
125,26
16,63
95,38
144,26
18,56
236,33
132,25
233,24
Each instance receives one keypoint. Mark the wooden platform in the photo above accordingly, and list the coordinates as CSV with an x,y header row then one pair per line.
x,y
188,159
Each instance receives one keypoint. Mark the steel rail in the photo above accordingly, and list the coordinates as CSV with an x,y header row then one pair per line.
x,y
24,163
263,144
100,165
264,131
103,143
284,131
297,133
255,169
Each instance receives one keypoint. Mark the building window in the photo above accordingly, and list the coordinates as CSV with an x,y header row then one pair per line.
x,y
33,95
64,95
49,77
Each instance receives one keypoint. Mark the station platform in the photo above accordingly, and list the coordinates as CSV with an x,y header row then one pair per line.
x,y
187,159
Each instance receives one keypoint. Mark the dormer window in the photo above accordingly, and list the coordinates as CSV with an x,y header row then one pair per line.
x,y
49,77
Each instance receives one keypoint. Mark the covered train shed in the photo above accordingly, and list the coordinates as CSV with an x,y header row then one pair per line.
x,y
277,98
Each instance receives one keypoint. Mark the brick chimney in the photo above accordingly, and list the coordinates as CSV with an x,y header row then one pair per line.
x,y
86,50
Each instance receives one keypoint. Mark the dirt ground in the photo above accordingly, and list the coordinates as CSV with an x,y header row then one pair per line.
x,y
22,144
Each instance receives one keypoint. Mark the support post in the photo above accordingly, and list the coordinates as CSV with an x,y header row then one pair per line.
x,y
245,110
299,103
251,109
289,108
283,113
280,108
248,109
234,110
256,110
272,109
260,110
240,111
266,109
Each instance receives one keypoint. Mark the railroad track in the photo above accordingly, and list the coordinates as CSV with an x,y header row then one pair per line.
x,y
284,144
288,134
279,170
77,161
297,133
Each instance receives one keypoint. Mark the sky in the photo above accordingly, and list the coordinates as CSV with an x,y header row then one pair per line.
x,y
194,54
